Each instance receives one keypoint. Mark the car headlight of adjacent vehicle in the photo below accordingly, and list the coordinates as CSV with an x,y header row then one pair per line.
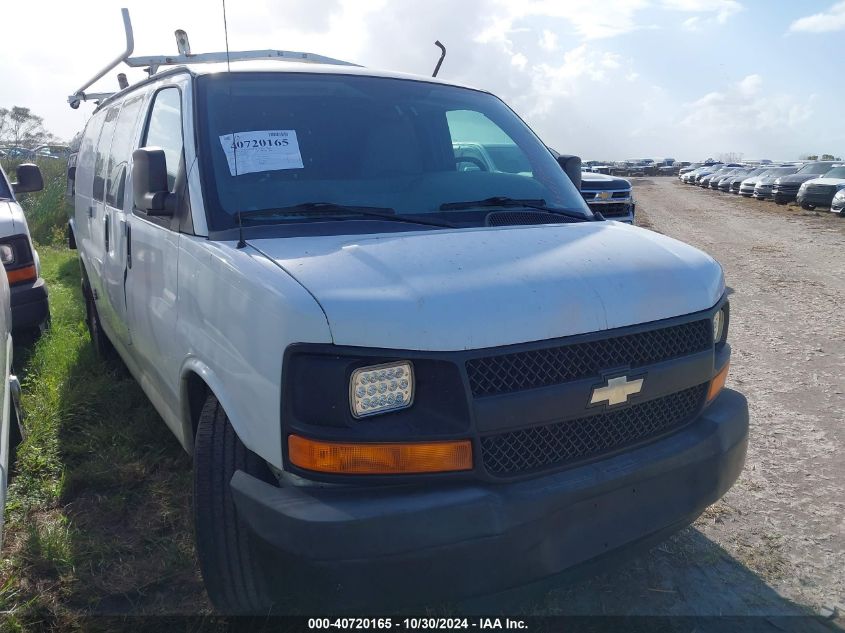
x,y
381,388
7,254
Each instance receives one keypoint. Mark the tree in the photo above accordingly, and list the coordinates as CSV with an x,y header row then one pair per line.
x,y
730,157
830,157
20,127
808,157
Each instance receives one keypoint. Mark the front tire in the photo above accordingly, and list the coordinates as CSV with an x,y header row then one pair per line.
x,y
103,347
234,578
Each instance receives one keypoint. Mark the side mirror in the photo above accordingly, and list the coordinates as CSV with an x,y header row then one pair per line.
x,y
29,179
572,166
149,181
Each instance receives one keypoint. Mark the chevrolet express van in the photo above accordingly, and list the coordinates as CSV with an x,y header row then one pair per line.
x,y
415,378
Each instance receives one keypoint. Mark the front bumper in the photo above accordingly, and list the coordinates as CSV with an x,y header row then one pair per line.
x,y
30,307
783,195
817,199
456,539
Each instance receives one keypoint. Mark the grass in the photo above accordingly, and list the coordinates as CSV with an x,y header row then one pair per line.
x,y
98,515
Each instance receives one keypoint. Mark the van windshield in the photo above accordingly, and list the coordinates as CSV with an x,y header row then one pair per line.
x,y
277,140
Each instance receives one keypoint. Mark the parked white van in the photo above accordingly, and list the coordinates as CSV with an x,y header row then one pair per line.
x,y
409,378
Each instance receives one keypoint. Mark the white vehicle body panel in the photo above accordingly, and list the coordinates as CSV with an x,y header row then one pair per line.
x,y
476,288
5,393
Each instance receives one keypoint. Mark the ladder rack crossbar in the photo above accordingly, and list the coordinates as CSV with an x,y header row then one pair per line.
x,y
214,58
152,63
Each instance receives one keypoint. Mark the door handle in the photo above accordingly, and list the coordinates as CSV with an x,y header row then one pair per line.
x,y
107,226
128,245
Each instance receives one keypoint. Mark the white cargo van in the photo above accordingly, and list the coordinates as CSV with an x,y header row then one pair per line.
x,y
408,377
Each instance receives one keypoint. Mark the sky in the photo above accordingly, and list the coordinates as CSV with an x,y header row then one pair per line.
x,y
603,79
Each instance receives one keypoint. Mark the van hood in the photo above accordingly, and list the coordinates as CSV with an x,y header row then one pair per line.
x,y
11,218
603,181
450,290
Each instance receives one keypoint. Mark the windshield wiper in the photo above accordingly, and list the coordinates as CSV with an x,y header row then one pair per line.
x,y
504,202
319,208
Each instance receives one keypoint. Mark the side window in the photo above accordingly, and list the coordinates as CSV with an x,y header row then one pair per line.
x,y
164,129
101,157
493,149
121,151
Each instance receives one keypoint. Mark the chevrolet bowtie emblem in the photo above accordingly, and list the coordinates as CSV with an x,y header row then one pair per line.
x,y
604,195
617,391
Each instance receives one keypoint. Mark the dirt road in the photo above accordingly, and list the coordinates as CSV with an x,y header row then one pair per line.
x,y
775,545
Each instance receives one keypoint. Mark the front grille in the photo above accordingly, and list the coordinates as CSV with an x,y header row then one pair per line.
x,y
612,209
563,443
621,194
550,366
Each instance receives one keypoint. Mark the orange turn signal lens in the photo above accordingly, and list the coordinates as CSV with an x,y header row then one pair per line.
x,y
718,382
19,275
379,459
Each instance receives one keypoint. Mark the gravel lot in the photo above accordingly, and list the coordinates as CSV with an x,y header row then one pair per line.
x,y
775,545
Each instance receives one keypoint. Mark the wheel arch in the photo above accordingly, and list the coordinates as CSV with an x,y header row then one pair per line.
x,y
198,381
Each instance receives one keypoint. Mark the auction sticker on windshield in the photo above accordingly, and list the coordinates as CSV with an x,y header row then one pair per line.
x,y
262,150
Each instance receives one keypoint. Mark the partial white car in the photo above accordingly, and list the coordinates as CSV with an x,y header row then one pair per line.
x,y
10,432
28,292
838,203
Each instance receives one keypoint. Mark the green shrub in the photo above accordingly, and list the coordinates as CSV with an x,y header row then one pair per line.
x,y
47,210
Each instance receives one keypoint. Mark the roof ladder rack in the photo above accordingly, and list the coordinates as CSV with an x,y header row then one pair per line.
x,y
152,63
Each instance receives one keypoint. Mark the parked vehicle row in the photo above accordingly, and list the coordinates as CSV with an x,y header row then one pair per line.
x,y
814,184
636,167
56,151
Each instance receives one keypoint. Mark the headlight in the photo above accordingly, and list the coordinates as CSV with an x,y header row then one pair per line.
x,y
7,254
381,388
719,321
803,187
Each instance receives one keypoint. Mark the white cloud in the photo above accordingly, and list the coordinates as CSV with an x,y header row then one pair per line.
x,y
548,41
743,111
750,85
831,20
692,24
720,9
590,21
